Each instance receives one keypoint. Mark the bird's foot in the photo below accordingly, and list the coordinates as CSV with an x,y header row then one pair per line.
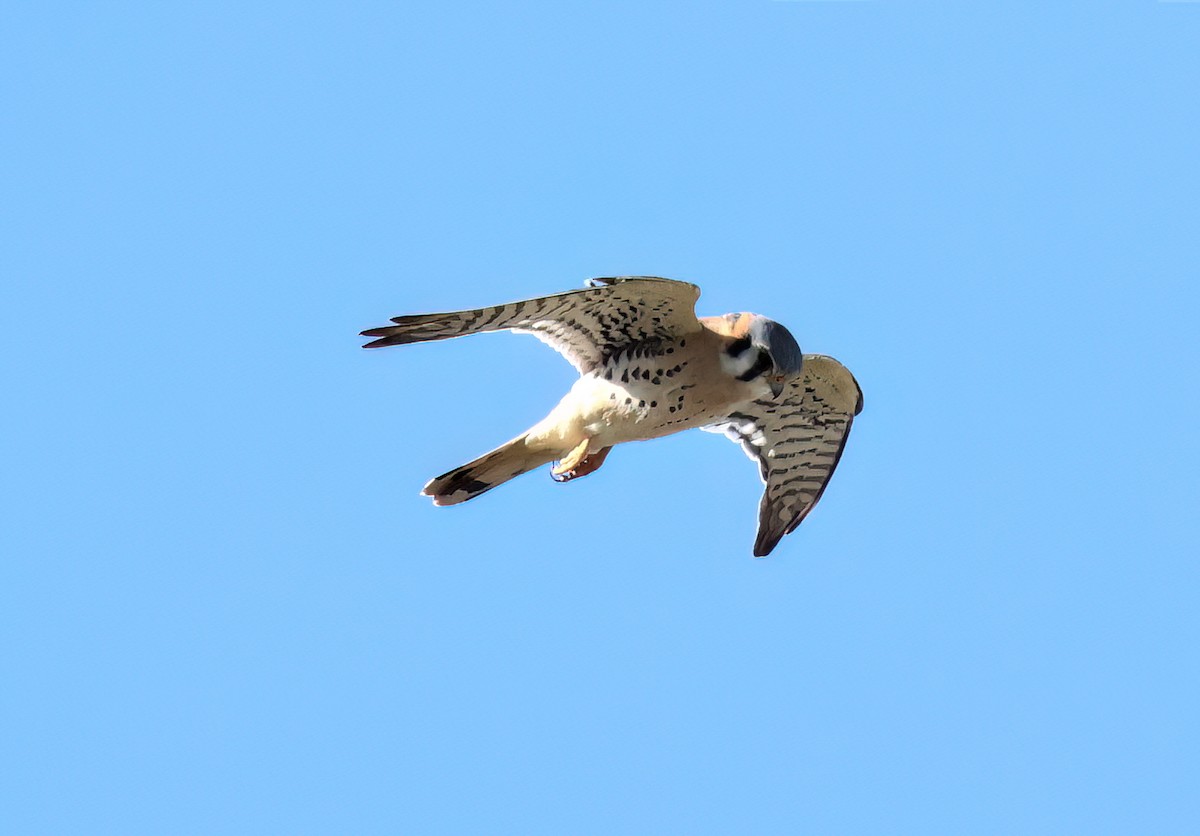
x,y
570,461
588,464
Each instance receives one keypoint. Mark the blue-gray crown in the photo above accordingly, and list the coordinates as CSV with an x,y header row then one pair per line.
x,y
779,343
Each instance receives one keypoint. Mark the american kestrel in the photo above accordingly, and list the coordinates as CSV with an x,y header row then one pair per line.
x,y
649,367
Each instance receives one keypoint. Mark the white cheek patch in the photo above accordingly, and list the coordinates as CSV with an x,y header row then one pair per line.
x,y
737,366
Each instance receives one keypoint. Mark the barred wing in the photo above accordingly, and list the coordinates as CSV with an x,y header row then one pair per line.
x,y
588,326
797,442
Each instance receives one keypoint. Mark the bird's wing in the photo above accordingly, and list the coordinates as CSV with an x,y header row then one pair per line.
x,y
797,442
587,326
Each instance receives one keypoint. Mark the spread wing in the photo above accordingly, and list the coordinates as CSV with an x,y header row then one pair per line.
x,y
587,326
797,442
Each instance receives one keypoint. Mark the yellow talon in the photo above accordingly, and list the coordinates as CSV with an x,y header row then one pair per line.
x,y
571,461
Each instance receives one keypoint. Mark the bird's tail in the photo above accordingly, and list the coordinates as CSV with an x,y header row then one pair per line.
x,y
420,328
486,472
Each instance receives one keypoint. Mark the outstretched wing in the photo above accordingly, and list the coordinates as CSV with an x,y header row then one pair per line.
x,y
797,442
587,326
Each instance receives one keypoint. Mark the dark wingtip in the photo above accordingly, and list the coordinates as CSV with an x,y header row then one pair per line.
x,y
387,336
763,546
858,406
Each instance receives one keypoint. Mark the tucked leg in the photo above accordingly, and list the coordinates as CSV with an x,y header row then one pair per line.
x,y
589,464
570,461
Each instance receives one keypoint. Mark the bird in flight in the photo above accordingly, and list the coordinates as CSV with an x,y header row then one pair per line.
x,y
648,367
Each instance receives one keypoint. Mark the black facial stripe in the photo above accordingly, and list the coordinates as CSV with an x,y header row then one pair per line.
x,y
738,346
762,364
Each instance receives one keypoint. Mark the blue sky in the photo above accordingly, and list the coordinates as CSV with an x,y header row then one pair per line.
x,y
223,606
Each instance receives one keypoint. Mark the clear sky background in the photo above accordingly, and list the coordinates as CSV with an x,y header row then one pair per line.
x,y
223,606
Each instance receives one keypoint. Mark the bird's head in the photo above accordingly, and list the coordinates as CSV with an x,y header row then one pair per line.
x,y
761,349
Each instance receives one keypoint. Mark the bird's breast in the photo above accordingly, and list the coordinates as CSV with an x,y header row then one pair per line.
x,y
636,398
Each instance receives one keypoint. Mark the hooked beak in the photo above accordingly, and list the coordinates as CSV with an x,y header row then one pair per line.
x,y
777,387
